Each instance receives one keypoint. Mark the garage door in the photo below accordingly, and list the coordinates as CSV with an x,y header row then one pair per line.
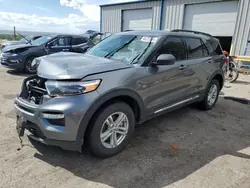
x,y
138,19
216,18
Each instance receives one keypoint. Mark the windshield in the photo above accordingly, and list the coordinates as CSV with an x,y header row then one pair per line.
x,y
41,40
27,37
126,48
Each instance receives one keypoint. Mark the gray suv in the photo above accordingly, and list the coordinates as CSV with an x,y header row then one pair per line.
x,y
97,98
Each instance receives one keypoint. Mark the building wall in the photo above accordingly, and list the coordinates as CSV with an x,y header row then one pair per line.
x,y
242,28
173,12
112,15
173,17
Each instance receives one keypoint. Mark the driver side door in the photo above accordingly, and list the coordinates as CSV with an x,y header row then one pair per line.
x,y
167,84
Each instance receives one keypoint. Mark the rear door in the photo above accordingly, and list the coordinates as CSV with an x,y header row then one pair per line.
x,y
60,44
197,65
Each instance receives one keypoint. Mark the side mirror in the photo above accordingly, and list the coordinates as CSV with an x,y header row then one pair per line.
x,y
48,45
165,59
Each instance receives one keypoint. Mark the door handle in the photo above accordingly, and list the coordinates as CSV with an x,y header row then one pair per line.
x,y
210,61
181,67
65,50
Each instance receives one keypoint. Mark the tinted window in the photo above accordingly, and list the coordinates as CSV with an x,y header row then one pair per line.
x,y
62,41
174,46
213,47
78,40
196,48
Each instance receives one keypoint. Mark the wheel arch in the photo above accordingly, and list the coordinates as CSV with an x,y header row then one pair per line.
x,y
128,96
218,75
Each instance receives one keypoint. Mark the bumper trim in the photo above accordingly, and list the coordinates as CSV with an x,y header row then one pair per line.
x,y
24,111
66,145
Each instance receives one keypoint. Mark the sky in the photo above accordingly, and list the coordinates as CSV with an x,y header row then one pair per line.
x,y
61,16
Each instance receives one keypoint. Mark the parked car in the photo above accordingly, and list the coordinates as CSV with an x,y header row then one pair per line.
x,y
98,97
24,40
21,56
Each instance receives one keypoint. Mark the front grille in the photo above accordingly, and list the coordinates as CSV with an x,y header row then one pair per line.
x,y
34,89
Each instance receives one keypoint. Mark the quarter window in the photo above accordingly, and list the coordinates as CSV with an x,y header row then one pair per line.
x,y
196,48
174,46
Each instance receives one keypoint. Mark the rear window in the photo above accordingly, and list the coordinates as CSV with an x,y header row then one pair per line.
x,y
196,48
214,47
78,40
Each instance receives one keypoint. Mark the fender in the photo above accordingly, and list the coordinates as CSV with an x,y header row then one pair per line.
x,y
217,72
103,99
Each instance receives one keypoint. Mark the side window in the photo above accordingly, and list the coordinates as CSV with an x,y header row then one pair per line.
x,y
213,47
174,46
62,41
196,48
78,40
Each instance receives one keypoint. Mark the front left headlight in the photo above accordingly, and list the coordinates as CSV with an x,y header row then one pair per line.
x,y
63,88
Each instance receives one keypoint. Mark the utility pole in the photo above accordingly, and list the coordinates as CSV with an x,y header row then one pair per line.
x,y
15,32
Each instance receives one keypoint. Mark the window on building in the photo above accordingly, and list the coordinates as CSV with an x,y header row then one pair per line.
x,y
174,46
196,48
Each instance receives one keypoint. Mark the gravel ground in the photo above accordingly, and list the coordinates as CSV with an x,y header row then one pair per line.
x,y
213,149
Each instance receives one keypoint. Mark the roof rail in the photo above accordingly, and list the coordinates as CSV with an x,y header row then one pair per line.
x,y
190,31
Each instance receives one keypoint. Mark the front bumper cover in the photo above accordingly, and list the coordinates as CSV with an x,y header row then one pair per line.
x,y
40,129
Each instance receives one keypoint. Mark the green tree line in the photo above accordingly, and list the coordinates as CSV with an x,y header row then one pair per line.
x,y
9,37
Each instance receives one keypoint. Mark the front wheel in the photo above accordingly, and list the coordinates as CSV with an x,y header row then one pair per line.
x,y
111,130
28,65
232,75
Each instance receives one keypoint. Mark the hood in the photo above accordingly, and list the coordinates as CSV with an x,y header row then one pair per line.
x,y
13,43
15,47
66,65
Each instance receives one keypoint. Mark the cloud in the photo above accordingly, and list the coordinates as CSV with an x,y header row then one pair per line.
x,y
89,10
88,18
72,24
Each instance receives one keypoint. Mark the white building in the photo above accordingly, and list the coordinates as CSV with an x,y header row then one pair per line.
x,y
228,20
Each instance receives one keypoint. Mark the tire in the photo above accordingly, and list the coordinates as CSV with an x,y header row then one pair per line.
x,y
27,66
100,127
206,103
236,75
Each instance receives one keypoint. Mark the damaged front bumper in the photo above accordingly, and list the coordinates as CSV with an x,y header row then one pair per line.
x,y
52,120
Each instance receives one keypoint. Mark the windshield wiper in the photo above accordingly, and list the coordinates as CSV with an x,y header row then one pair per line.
x,y
116,50
138,56
25,38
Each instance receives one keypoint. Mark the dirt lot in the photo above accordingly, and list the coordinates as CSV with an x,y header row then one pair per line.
x,y
214,149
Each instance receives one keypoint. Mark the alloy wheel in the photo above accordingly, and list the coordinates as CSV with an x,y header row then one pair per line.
x,y
114,130
212,95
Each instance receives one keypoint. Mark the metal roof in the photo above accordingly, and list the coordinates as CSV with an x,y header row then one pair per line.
x,y
124,3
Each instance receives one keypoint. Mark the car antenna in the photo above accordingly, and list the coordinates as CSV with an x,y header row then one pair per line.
x,y
24,38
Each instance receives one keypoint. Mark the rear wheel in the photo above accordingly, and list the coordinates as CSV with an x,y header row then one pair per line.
x,y
28,65
211,96
112,129
233,75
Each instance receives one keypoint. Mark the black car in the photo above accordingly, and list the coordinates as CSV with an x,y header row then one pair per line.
x,y
24,40
20,57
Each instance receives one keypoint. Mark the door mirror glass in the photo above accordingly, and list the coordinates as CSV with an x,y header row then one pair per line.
x,y
165,59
